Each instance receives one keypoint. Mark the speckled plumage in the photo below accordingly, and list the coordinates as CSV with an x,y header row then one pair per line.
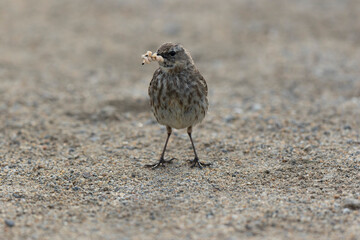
x,y
178,100
178,93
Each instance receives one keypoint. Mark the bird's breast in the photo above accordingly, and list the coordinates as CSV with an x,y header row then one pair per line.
x,y
176,101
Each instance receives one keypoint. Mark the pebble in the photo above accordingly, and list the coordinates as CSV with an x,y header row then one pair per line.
x,y
150,122
229,118
346,211
347,127
16,195
9,223
86,175
256,107
308,148
352,204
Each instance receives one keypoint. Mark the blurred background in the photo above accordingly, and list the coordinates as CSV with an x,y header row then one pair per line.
x,y
284,94
87,52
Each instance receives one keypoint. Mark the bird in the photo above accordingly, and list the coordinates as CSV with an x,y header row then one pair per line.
x,y
178,96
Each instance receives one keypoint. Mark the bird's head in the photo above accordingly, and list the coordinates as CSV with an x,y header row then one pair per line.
x,y
175,57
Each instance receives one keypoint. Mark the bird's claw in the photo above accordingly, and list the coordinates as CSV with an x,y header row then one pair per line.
x,y
197,163
161,162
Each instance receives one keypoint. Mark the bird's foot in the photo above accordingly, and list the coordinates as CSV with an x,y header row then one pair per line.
x,y
197,163
161,162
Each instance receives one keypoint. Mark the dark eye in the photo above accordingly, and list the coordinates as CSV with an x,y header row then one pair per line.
x,y
172,53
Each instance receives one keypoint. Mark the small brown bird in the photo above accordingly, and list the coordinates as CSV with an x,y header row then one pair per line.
x,y
178,95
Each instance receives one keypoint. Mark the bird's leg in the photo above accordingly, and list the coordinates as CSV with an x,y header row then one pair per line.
x,y
195,162
162,160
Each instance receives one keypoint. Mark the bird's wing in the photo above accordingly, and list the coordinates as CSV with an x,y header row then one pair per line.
x,y
202,81
153,82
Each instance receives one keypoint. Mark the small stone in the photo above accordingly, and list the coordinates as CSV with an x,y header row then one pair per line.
x,y
229,118
86,175
47,137
346,211
352,204
152,216
327,133
150,122
16,195
256,107
210,214
315,129
9,223
347,127
308,148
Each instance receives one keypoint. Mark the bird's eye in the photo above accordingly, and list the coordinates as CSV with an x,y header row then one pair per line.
x,y
172,53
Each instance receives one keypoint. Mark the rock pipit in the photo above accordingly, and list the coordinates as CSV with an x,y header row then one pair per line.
x,y
178,94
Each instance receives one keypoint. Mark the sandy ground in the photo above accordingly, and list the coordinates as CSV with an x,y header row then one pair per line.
x,y
282,131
